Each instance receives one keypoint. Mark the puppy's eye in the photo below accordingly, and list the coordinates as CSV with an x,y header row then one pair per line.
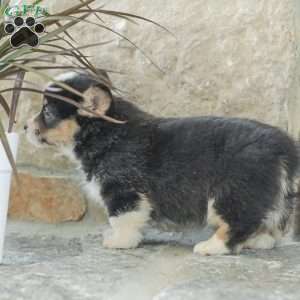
x,y
48,116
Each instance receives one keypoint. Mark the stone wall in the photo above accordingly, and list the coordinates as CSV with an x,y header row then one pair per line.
x,y
234,58
293,100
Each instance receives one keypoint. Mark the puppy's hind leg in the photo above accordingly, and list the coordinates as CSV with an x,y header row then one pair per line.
x,y
216,245
280,221
231,232
260,241
126,223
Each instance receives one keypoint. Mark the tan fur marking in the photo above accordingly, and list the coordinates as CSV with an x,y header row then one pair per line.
x,y
216,245
222,232
63,134
217,221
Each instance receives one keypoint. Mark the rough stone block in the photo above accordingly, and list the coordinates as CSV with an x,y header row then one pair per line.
x,y
51,200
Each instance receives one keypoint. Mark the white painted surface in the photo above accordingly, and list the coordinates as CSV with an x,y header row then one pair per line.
x,y
5,180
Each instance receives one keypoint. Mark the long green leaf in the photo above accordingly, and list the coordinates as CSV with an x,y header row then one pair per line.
x,y
124,14
96,15
36,2
79,56
49,78
65,50
75,8
116,33
4,4
5,105
25,50
68,100
59,30
15,100
66,32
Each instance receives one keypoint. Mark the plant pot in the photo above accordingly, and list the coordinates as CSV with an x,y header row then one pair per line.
x,y
5,182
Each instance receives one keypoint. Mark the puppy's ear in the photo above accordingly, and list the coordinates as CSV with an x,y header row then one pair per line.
x,y
96,99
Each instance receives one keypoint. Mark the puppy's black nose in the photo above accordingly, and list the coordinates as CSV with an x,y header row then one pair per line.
x,y
25,127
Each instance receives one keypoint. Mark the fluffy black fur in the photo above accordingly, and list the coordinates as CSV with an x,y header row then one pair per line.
x,y
246,167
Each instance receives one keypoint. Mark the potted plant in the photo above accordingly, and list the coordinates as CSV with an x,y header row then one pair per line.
x,y
56,42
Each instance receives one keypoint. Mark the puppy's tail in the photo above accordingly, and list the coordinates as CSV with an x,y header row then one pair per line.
x,y
297,197
297,216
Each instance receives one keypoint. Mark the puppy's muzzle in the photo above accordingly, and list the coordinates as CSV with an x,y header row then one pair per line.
x,y
33,132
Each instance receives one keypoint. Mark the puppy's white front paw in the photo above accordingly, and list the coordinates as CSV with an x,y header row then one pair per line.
x,y
213,246
119,241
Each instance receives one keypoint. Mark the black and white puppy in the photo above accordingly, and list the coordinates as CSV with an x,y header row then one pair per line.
x,y
235,174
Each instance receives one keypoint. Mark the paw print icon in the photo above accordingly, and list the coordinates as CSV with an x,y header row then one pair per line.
x,y
24,32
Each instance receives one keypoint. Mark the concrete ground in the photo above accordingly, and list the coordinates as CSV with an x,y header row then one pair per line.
x,y
57,262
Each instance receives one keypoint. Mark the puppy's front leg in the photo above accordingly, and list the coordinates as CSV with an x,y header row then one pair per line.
x,y
128,214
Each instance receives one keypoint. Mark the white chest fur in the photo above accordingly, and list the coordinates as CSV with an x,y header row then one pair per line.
x,y
93,191
91,188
